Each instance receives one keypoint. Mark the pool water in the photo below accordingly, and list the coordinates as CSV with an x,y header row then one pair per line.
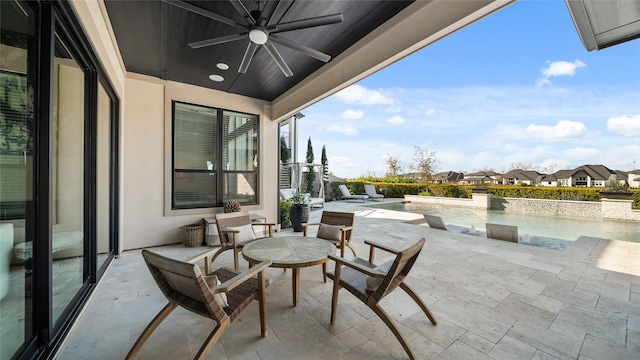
x,y
549,231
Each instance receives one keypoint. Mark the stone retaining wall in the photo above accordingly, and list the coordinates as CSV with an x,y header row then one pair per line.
x,y
606,209
587,209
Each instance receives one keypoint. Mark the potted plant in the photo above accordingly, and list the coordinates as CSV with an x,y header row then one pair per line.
x,y
480,189
299,212
617,192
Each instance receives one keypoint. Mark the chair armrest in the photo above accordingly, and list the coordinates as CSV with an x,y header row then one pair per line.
x,y
382,247
201,256
355,266
230,231
242,277
305,225
233,234
372,250
263,224
309,224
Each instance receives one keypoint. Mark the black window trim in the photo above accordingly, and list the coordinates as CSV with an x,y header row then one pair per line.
x,y
219,171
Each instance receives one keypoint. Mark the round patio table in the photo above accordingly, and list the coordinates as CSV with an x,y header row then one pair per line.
x,y
292,252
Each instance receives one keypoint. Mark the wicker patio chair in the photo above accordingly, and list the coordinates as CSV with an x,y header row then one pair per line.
x,y
336,227
371,283
236,230
183,285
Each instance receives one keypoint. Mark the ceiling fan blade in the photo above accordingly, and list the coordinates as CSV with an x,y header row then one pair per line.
x,y
267,12
240,8
306,23
205,13
248,55
277,58
218,40
299,47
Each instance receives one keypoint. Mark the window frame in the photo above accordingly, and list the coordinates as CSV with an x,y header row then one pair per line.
x,y
219,171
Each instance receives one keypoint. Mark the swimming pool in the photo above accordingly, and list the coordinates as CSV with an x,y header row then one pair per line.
x,y
543,230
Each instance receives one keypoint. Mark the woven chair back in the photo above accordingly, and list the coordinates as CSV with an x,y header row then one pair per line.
x,y
231,220
338,218
399,270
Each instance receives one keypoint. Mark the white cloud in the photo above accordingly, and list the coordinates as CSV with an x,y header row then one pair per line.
x,y
430,112
352,114
559,68
396,120
562,68
563,130
625,125
358,94
389,145
343,129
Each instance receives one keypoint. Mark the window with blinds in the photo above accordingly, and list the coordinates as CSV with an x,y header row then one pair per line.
x,y
215,156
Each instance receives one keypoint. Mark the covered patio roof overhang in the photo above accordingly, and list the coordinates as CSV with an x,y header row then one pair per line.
x,y
373,35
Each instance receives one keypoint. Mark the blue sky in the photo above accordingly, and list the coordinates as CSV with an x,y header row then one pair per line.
x,y
515,87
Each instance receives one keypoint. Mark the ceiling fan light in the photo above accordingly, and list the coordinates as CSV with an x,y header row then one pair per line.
x,y
258,36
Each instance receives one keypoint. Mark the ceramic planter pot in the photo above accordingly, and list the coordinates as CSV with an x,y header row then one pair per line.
x,y
299,214
616,195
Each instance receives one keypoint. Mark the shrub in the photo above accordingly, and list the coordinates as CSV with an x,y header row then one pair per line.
x,y
285,220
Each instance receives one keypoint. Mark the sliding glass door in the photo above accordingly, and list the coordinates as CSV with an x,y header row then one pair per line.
x,y
58,174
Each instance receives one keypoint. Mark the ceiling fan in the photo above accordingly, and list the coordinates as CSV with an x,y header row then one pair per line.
x,y
259,32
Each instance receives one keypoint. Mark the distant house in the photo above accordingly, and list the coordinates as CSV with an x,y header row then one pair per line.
x,y
587,176
448,177
621,177
482,177
520,177
548,180
633,178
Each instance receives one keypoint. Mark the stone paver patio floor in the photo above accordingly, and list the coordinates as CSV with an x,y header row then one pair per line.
x,y
492,299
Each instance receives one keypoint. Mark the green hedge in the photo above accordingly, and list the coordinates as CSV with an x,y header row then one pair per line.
x,y
395,190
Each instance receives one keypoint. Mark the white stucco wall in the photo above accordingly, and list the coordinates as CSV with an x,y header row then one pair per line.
x,y
144,102
146,159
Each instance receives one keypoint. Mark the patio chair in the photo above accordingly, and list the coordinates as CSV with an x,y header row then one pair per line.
x,y
346,195
236,230
371,283
335,227
221,295
371,192
502,232
435,222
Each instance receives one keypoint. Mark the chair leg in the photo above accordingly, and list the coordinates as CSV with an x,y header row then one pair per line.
x,y
324,272
352,249
387,320
336,289
207,265
150,329
211,340
236,263
262,304
419,301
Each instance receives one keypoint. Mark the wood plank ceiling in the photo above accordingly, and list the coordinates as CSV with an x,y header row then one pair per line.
x,y
153,37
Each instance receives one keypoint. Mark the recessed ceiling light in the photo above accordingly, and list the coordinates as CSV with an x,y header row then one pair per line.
x,y
217,78
222,66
